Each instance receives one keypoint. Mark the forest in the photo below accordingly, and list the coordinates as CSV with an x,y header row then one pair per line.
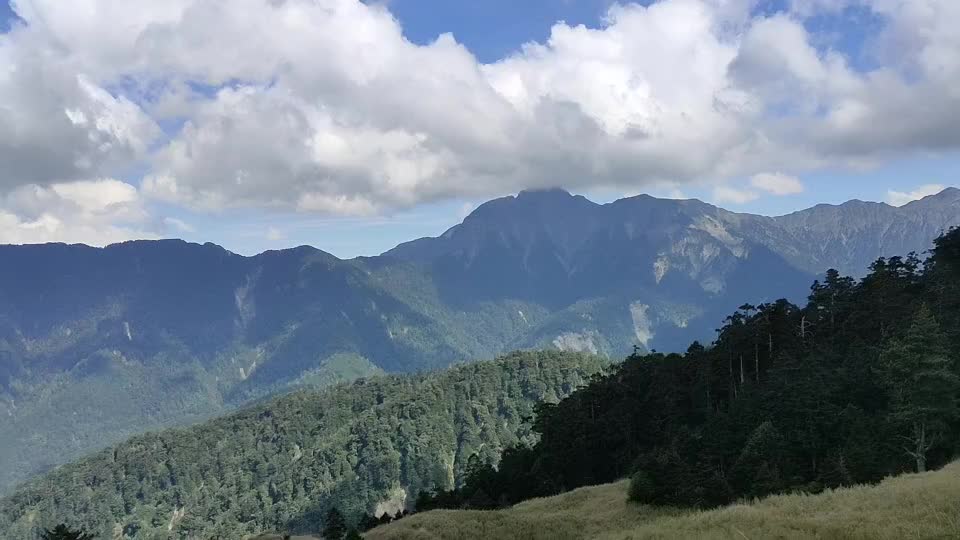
x,y
282,465
859,384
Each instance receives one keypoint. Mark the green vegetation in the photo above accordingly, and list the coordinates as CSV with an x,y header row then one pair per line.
x,y
860,384
280,465
909,506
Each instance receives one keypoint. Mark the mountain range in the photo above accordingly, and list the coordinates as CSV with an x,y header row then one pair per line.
x,y
97,344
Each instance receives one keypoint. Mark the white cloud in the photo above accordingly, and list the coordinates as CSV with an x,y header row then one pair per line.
x,y
56,123
94,212
322,106
899,198
777,183
727,194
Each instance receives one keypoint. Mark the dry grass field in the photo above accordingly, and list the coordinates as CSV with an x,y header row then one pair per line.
x,y
910,506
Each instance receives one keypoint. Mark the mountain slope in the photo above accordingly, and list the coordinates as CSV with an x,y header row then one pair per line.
x,y
908,506
369,445
96,345
850,236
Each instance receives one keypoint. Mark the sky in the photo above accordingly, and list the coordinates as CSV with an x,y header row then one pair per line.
x,y
353,126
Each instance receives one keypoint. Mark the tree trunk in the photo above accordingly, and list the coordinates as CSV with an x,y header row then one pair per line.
x,y
756,362
733,382
921,444
921,456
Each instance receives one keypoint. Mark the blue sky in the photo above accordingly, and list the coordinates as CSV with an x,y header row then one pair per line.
x,y
7,16
493,29
396,134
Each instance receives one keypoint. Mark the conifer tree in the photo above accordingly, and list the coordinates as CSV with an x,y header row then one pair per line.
x,y
922,387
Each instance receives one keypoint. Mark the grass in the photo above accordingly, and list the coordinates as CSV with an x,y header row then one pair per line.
x,y
281,537
910,506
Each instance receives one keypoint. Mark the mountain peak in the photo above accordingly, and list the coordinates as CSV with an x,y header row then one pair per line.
x,y
554,193
946,198
949,193
532,203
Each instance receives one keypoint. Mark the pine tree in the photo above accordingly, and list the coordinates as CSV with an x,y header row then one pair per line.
x,y
942,271
922,387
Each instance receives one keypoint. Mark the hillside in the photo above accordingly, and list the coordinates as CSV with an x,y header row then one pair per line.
x,y
861,383
908,506
97,345
367,445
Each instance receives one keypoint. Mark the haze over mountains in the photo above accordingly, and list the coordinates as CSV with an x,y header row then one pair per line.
x,y
98,344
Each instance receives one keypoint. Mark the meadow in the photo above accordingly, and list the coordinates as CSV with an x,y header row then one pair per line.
x,y
920,506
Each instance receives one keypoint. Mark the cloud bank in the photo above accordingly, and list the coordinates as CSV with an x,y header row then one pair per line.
x,y
322,106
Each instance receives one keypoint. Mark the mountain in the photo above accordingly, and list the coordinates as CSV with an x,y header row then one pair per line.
x,y
279,465
100,344
655,272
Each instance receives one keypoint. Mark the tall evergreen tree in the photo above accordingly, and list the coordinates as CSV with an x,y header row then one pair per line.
x,y
922,387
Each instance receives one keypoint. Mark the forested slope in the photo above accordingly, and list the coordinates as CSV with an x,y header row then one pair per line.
x,y
278,465
861,383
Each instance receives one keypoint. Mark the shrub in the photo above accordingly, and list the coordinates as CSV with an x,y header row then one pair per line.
x,y
642,489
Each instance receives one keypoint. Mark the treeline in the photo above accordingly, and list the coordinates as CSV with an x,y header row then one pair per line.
x,y
281,466
861,383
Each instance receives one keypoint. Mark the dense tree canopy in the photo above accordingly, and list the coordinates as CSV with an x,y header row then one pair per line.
x,y
282,465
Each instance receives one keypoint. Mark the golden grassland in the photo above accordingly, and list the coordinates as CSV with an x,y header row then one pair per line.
x,y
910,506
280,537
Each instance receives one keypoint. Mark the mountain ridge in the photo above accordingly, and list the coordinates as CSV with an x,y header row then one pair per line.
x,y
951,193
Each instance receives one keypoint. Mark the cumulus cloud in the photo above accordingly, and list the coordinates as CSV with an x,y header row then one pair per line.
x,y
57,125
900,198
322,106
777,183
94,212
